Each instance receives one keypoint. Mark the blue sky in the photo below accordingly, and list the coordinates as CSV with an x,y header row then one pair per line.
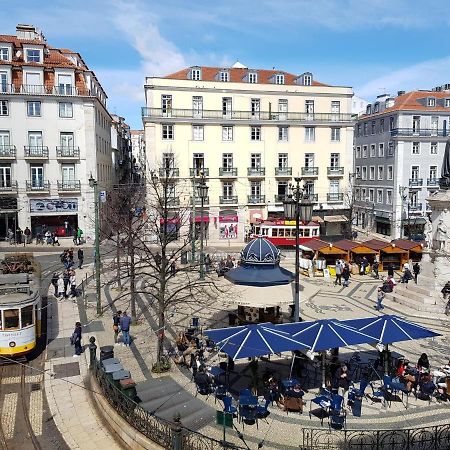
x,y
375,46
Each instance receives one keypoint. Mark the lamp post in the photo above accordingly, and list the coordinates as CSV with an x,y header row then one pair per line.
x,y
202,191
297,205
94,184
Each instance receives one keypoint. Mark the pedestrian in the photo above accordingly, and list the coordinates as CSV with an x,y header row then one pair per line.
x,y
380,297
60,286
48,237
390,270
73,284
124,323
416,271
338,269
375,267
76,339
75,235
79,235
66,278
173,266
27,233
70,254
342,382
10,236
55,239
116,326
55,279
80,255
207,263
346,275
19,235
407,275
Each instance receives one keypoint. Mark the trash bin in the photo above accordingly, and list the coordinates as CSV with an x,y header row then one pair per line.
x,y
184,257
106,352
128,388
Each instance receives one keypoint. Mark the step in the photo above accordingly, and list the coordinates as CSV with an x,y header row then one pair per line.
x,y
413,287
414,295
413,303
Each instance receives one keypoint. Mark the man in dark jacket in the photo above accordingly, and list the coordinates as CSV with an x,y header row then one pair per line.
x,y
55,283
416,270
125,322
77,339
80,255
66,278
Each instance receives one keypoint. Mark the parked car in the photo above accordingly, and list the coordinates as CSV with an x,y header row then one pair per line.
x,y
417,237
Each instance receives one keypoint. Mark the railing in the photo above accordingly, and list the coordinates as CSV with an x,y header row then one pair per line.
x,y
432,181
310,171
416,181
173,201
69,185
256,171
256,199
419,133
36,152
415,207
429,438
169,172
67,152
157,113
313,197
228,171
228,200
199,171
283,171
8,151
198,201
38,186
8,187
280,198
335,197
40,89
335,171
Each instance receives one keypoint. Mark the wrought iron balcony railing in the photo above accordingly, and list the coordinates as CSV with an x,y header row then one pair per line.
x,y
256,171
37,151
432,181
68,152
310,171
8,152
252,199
6,187
228,199
169,172
283,171
37,185
69,185
199,171
198,200
335,171
416,181
228,171
422,132
335,197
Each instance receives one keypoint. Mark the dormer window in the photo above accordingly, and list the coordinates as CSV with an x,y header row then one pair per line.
x,y
33,55
369,109
431,102
447,102
4,54
196,74
376,107
224,75
307,79
279,78
252,77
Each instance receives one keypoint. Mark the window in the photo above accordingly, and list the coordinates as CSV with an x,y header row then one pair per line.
x,y
416,148
227,189
227,160
226,106
68,174
307,80
11,319
309,106
34,109
5,175
366,128
4,53
65,84
372,128
334,160
388,197
227,133
283,133
357,194
447,102
390,173
33,55
4,107
282,189
197,106
413,199
255,133
66,110
335,134
379,195
416,124
168,160
369,109
4,141
358,172
364,151
196,74
334,187
35,138
310,134
4,87
414,172
255,160
358,152
255,107
434,148
364,194
371,195
358,130
391,123
364,173
66,140
283,160
433,172
252,77
199,163
381,150
431,101
381,125
309,188
282,109
335,107
380,172
372,150
279,78
391,148
376,107
166,105
224,76
37,176
255,188
27,316
167,131
372,173
309,160
197,132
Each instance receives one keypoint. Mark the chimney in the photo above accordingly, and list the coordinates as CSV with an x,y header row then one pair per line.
x,y
29,32
400,93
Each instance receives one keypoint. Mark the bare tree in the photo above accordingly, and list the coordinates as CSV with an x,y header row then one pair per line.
x,y
349,200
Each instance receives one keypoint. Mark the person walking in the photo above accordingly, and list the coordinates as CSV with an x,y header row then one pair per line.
x,y
60,286
73,284
346,275
76,338
390,270
80,255
416,271
380,297
79,235
27,233
375,267
125,322
338,268
10,236
66,278
55,279
116,326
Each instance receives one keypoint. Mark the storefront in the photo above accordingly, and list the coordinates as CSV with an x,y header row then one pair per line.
x,y
335,225
8,215
414,249
383,225
171,227
60,216
201,221
228,225
394,255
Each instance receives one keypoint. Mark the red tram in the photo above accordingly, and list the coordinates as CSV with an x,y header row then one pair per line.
x,y
282,232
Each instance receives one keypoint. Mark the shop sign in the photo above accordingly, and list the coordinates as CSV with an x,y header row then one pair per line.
x,y
51,205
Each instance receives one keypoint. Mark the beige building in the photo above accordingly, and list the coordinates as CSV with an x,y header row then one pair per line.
x,y
250,132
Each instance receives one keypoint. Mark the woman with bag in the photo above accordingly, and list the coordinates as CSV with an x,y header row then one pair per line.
x,y
116,326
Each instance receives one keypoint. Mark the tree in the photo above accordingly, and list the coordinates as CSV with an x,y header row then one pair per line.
x,y
349,200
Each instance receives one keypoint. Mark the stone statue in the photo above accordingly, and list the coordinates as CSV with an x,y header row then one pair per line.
x,y
441,235
429,233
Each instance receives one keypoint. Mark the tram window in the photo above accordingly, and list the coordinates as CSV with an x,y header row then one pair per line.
x,y
11,318
281,232
302,232
294,232
257,230
27,316
264,231
315,232
274,232
306,232
287,232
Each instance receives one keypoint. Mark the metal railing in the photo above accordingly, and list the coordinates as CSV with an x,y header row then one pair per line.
x,y
69,185
8,187
335,196
416,181
40,89
256,171
228,200
310,171
169,172
199,171
283,171
313,197
38,186
256,199
8,151
432,181
335,171
67,152
422,132
36,151
159,113
415,207
198,200
280,198
228,171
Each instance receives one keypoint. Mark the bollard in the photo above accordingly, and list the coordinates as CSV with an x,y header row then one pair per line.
x,y
176,433
92,352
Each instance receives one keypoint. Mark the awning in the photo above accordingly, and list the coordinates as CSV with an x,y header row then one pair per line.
x,y
317,219
339,218
415,221
332,251
383,220
363,251
305,248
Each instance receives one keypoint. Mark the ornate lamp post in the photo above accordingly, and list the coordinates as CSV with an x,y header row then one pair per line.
x,y
94,184
202,191
297,205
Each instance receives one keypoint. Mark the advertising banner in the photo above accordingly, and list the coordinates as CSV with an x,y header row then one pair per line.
x,y
53,205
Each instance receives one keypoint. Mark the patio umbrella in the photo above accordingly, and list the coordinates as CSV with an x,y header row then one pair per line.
x,y
253,340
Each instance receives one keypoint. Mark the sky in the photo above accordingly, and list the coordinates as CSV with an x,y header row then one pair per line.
x,y
374,46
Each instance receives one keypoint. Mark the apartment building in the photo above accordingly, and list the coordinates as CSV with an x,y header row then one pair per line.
x,y
121,150
249,131
138,152
55,131
399,148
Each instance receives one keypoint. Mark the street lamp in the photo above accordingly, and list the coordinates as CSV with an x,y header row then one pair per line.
x,y
298,206
94,184
202,191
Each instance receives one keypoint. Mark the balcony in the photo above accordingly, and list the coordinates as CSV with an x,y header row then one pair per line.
x,y
228,172
69,186
426,132
199,172
256,171
198,201
8,188
283,171
432,181
173,201
36,152
66,152
169,172
7,152
280,198
155,114
415,207
335,197
313,197
310,171
416,182
253,199
39,89
335,171
228,200
38,186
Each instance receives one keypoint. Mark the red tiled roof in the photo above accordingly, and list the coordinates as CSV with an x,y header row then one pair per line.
x,y
237,75
375,244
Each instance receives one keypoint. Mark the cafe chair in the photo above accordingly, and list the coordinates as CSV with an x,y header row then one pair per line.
x,y
262,410
337,415
323,402
245,393
358,393
219,393
248,415
396,387
426,391
228,405
293,404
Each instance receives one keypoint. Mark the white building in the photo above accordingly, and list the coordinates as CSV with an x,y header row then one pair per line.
x,y
138,152
54,133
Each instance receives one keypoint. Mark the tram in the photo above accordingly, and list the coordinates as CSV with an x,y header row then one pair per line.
x,y
282,232
20,310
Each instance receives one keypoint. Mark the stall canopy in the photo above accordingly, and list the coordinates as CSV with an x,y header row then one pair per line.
x,y
375,244
346,244
404,244
316,244
339,218
253,340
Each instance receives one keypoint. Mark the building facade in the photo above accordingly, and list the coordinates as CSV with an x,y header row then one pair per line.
x,y
249,132
138,152
55,132
121,150
399,148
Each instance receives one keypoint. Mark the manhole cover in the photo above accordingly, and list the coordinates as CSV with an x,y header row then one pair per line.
x,y
35,387
66,370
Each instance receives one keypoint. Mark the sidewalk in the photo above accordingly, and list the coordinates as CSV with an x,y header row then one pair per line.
x,y
69,400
